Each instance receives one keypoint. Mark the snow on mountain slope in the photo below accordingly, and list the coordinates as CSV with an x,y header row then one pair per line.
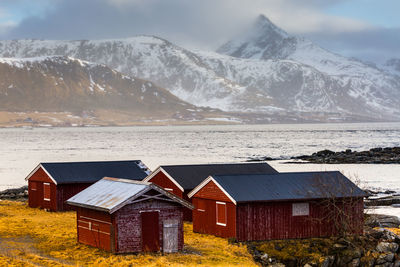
x,y
392,66
58,83
148,57
265,71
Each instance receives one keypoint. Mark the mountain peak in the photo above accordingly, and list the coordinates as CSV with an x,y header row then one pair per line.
x,y
263,25
262,40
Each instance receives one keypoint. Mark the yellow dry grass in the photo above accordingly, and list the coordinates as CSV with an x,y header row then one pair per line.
x,y
34,237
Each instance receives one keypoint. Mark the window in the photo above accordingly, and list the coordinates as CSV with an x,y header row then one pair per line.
x,y
169,189
46,191
221,213
300,209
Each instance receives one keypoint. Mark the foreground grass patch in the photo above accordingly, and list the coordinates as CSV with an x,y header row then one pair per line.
x,y
35,237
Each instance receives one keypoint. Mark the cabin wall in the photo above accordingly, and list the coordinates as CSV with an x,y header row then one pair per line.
x,y
274,220
94,228
66,191
36,184
205,218
129,228
205,213
162,180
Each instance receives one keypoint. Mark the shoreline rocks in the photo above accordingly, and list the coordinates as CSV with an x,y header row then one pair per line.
x,y
376,247
20,193
378,155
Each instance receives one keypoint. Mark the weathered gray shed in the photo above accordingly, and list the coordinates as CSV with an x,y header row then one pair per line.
x,y
124,216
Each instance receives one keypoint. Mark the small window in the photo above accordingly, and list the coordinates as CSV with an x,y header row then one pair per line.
x,y
221,213
169,189
300,209
33,186
46,191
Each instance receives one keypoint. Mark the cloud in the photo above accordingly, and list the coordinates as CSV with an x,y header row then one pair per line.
x,y
204,24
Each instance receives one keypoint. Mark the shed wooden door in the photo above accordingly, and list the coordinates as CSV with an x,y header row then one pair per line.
x,y
150,231
170,236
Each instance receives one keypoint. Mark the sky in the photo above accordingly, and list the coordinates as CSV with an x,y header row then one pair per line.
x,y
365,29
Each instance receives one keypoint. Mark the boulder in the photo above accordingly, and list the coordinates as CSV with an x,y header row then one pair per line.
x,y
386,247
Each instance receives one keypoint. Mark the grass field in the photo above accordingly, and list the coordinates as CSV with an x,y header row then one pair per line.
x,y
33,237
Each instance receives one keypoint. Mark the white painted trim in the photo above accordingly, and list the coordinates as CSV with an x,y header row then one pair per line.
x,y
205,182
46,183
37,168
141,211
216,211
168,189
201,210
88,218
101,232
46,199
160,169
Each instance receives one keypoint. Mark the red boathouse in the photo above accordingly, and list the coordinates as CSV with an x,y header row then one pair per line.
x,y
279,206
124,216
181,179
51,184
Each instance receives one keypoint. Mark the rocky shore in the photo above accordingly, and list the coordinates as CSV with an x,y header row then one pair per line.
x,y
378,155
15,193
378,246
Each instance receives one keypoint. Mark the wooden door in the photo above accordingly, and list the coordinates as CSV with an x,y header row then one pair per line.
x,y
170,236
150,232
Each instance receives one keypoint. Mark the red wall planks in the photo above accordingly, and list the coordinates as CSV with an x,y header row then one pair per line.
x,y
212,191
36,191
66,191
94,228
274,220
162,180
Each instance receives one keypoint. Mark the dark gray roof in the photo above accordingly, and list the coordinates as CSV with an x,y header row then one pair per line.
x,y
190,176
90,172
288,186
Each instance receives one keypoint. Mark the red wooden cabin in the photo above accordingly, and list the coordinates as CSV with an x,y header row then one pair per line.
x,y
124,216
181,179
51,184
279,206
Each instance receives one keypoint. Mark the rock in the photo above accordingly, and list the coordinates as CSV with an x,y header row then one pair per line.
x,y
384,258
386,247
378,220
355,262
328,261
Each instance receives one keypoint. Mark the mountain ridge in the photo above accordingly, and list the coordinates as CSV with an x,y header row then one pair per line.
x,y
300,77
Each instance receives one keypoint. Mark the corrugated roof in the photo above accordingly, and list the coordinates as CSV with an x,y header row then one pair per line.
x,y
189,176
107,193
288,186
90,172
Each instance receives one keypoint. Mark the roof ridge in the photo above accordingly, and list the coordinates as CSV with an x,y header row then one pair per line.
x,y
122,180
98,161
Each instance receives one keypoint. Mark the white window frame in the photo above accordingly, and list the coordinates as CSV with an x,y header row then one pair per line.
x,y
216,210
47,199
300,209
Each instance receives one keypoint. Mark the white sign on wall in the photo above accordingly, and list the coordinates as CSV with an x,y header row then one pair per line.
x,y
300,209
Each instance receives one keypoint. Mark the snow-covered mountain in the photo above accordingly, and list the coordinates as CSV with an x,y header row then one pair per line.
x,y
265,70
64,84
393,66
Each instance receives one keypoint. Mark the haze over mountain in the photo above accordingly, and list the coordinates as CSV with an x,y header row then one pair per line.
x,y
265,70
63,84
